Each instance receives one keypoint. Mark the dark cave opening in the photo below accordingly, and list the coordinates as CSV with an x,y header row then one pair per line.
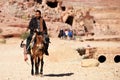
x,y
39,1
52,4
69,20
63,8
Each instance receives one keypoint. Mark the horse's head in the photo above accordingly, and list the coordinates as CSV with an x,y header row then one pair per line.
x,y
39,41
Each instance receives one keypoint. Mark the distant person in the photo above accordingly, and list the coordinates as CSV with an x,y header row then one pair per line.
x,y
70,34
66,32
61,33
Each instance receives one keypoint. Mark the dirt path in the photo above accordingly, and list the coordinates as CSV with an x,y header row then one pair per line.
x,y
62,64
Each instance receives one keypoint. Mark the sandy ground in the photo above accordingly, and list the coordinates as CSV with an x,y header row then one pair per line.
x,y
64,63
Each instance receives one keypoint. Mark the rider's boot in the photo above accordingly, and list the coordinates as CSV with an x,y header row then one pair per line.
x,y
46,49
28,46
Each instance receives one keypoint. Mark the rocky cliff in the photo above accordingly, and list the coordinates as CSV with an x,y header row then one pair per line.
x,y
98,16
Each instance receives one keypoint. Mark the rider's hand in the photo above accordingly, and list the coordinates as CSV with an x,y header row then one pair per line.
x,y
37,30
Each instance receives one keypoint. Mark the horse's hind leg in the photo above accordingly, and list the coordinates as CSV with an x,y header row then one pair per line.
x,y
36,66
41,69
32,63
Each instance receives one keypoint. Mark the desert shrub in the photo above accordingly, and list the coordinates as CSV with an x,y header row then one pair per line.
x,y
24,35
24,17
3,41
1,31
81,51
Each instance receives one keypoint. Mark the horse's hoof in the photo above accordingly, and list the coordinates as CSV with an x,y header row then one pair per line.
x,y
36,73
32,73
41,74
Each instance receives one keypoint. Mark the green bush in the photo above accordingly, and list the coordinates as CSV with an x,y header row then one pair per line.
x,y
24,35
3,41
1,31
81,51
24,17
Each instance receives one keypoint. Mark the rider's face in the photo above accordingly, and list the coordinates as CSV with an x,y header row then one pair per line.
x,y
37,14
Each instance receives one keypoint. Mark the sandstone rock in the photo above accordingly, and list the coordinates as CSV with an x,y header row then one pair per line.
x,y
89,63
90,52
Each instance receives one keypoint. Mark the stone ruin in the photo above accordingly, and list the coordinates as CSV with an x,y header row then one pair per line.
x,y
102,54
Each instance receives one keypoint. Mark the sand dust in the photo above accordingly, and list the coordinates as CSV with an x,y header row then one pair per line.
x,y
62,64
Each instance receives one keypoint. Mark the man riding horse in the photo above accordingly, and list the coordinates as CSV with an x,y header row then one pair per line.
x,y
38,24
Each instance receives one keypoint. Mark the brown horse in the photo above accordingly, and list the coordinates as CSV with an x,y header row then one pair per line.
x,y
36,55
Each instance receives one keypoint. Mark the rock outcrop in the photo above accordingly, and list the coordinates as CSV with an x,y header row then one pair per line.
x,y
89,63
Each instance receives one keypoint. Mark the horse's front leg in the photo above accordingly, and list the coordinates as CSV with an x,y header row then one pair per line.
x,y
32,63
38,63
36,66
41,69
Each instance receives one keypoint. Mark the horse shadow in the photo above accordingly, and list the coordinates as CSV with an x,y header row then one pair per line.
x,y
59,75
